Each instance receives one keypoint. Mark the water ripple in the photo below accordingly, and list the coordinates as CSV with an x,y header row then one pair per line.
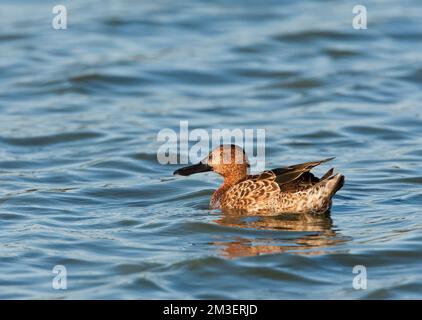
x,y
81,185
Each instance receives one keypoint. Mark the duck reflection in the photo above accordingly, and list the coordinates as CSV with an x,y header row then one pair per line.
x,y
298,233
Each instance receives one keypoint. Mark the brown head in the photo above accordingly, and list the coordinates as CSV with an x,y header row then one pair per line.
x,y
229,161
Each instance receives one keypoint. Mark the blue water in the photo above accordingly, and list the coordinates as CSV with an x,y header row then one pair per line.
x,y
80,184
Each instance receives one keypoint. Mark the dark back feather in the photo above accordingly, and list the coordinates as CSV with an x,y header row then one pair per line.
x,y
289,174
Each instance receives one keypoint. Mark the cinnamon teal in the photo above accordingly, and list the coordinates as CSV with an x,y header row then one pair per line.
x,y
292,189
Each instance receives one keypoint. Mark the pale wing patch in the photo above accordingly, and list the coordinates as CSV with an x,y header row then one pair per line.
x,y
263,176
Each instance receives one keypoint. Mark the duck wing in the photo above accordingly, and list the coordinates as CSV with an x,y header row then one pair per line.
x,y
297,176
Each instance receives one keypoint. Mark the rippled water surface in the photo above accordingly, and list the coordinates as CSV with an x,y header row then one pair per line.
x,y
80,184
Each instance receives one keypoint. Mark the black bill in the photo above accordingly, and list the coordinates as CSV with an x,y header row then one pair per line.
x,y
196,168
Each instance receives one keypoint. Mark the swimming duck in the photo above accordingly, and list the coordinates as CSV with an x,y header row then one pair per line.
x,y
292,189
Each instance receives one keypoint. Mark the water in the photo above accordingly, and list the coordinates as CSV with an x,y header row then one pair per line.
x,y
80,184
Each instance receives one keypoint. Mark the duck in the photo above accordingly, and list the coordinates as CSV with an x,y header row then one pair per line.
x,y
285,190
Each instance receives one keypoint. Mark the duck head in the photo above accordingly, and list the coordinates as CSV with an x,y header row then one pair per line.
x,y
229,161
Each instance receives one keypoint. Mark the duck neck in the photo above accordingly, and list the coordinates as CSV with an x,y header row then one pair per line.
x,y
233,177
217,195
229,181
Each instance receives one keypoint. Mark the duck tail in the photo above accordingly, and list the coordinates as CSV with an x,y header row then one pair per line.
x,y
334,183
328,174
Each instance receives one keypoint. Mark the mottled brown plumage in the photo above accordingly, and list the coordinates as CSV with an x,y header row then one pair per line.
x,y
290,189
